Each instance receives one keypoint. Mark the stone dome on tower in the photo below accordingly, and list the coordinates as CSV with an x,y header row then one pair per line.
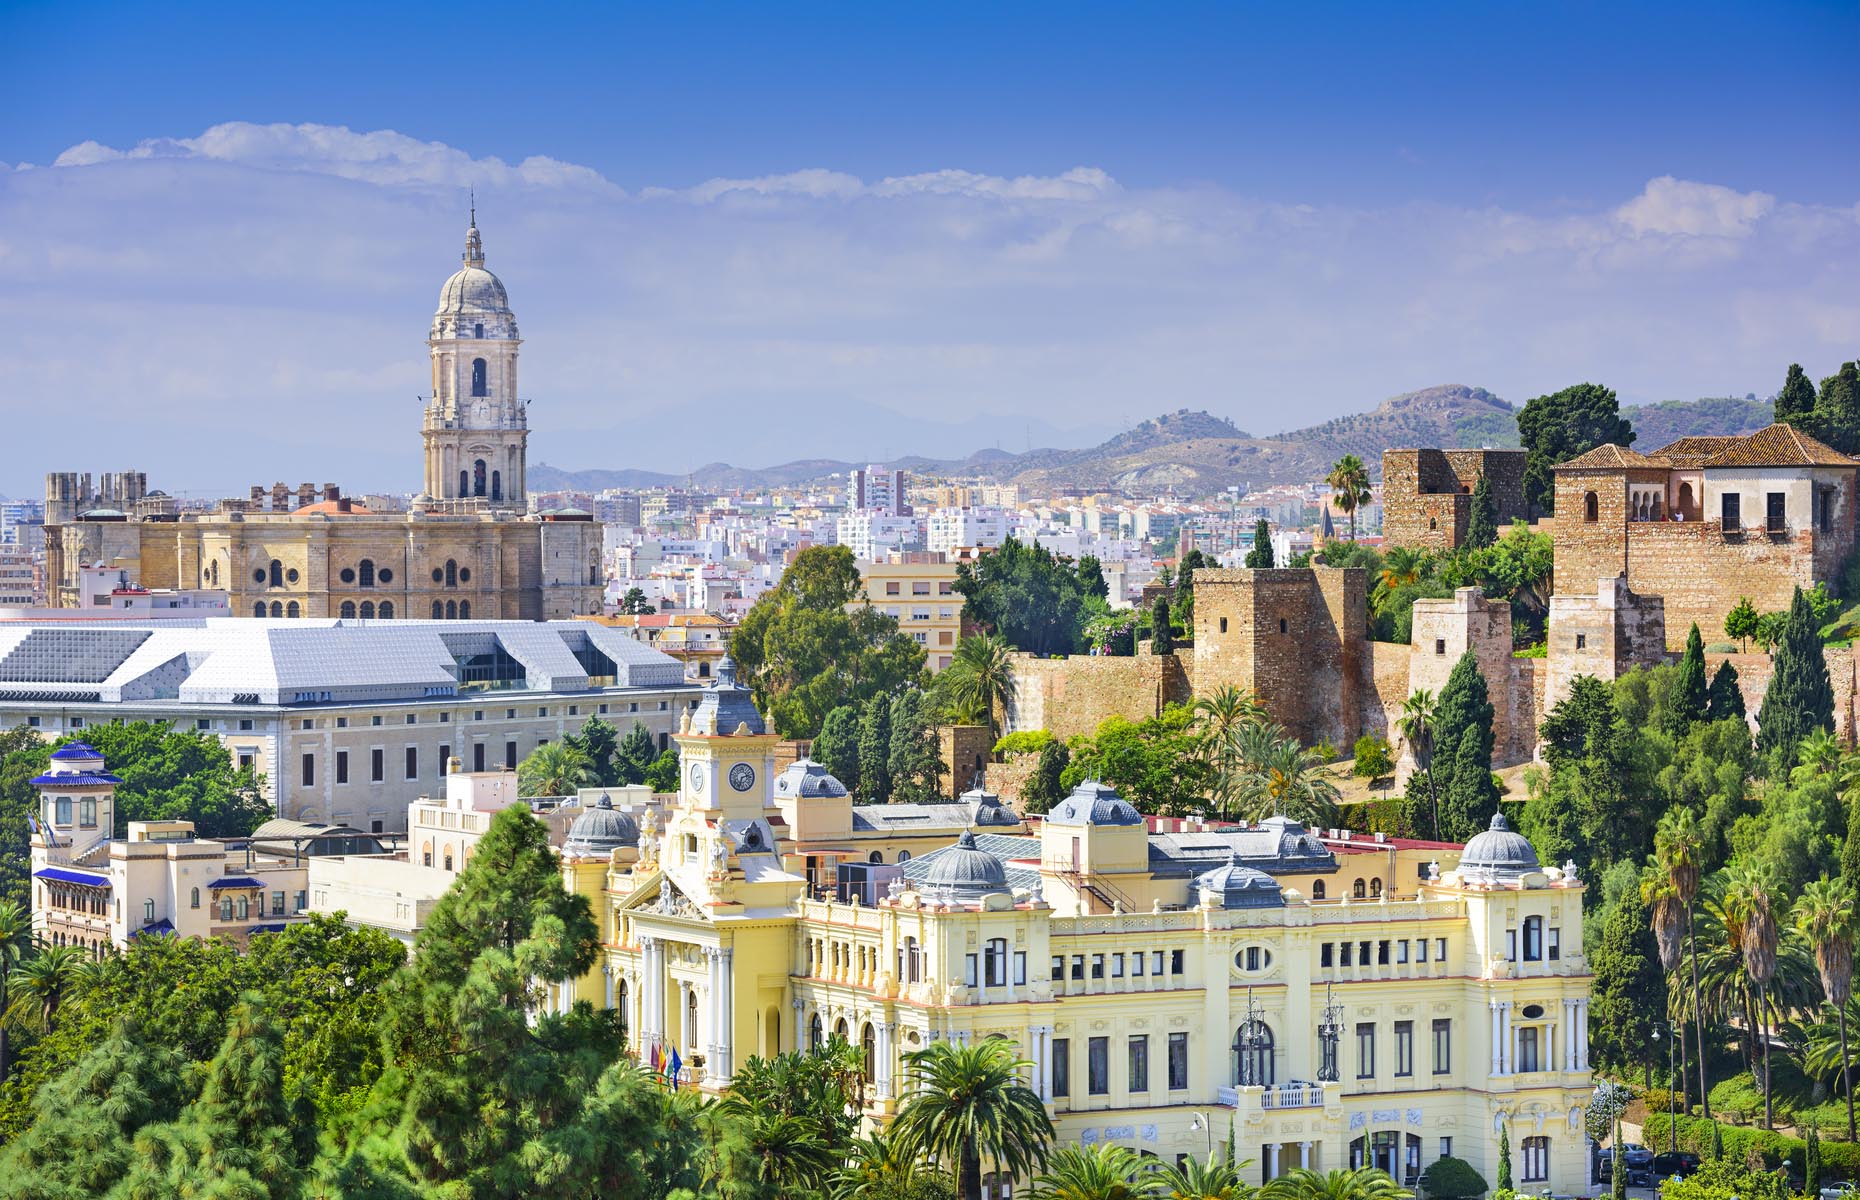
x,y
472,291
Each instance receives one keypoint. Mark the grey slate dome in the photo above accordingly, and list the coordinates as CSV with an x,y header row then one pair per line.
x,y
726,704
964,872
1240,886
806,778
1094,803
1498,854
988,808
600,831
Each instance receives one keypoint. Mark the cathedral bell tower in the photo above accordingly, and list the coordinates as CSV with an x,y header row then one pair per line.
x,y
475,429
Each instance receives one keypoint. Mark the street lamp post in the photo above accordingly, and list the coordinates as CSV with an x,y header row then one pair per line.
x,y
1330,1029
1672,1093
1201,1122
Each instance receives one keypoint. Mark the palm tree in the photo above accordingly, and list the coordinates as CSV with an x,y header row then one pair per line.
x,y
1667,919
556,769
15,944
40,984
1819,750
1193,1179
1220,719
1361,1183
1725,985
878,1169
980,677
1401,565
790,1153
1825,916
1754,894
969,1103
1350,480
1417,733
1286,779
1678,845
1105,1171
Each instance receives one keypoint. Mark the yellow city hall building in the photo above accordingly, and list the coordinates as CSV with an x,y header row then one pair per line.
x,y
1331,999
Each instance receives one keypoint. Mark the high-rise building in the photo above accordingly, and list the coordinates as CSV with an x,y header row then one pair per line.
x,y
879,489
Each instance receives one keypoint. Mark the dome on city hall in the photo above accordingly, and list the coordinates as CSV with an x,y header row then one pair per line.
x,y
1498,854
600,831
1240,886
963,872
808,779
1094,803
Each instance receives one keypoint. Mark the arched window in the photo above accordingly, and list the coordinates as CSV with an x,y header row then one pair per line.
x,y
877,856
497,485
815,1038
245,908
426,854
477,378
477,477
291,610
439,610
347,609
452,573
464,483
1253,1055
277,609
1533,939
1356,889
1590,508
225,908
148,912
193,899
1317,889
464,610
691,1020
1657,512
366,570
868,1042
448,859
276,574
386,611
452,610
368,610
1685,497
840,1031
904,856
1375,888
258,609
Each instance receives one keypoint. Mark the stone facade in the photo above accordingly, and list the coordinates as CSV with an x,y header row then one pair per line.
x,y
1444,630
466,550
1706,521
1075,695
1296,637
1427,494
965,751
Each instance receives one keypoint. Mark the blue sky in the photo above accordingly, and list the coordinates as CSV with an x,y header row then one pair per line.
x,y
1094,212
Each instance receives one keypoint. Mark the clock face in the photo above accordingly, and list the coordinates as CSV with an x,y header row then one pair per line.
x,y
696,776
742,777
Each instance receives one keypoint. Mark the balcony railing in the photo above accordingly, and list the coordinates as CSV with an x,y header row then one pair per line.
x,y
1277,1097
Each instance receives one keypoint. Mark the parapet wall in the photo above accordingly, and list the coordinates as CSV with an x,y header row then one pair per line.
x,y
1076,694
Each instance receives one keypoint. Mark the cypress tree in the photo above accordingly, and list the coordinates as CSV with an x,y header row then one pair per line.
x,y
1811,1161
1800,698
837,747
1797,398
1725,699
1044,789
1260,556
1482,521
1629,990
1689,701
1504,1157
1469,803
632,759
875,750
1162,633
916,763
1463,712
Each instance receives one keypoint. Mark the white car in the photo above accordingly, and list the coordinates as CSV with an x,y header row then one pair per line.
x,y
1845,1189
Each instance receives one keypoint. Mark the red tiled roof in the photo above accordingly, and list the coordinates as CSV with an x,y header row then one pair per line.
x,y
1779,446
1607,457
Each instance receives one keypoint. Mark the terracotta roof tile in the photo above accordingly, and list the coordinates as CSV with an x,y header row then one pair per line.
x,y
1779,446
1605,457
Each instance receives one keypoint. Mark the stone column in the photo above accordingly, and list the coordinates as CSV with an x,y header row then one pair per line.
x,y
1304,1155
726,1013
648,1029
1272,1161
1498,1065
607,976
712,993
881,1067
1582,1034
1508,1064
800,1026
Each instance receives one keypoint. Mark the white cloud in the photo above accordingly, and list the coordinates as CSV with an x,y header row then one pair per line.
x,y
251,304
1686,208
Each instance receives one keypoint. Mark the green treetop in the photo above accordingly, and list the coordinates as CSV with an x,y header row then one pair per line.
x,y
1797,398
1562,425
1689,699
1629,991
837,747
1800,697
1162,632
874,785
1482,520
1260,556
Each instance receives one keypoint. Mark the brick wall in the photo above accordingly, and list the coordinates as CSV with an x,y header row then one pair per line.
x,y
1295,637
1444,630
1427,494
965,750
1074,695
1006,779
1603,634
1753,679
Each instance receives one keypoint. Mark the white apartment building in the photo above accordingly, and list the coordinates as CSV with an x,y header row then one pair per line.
x,y
871,535
951,529
877,488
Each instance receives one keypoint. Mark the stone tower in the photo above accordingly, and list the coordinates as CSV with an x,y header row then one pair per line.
x,y
475,429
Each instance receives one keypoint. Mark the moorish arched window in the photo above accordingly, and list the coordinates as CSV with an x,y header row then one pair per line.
x,y
347,609
1590,508
477,378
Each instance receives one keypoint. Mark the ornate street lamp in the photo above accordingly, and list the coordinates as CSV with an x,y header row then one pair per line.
x,y
1250,1041
1330,1032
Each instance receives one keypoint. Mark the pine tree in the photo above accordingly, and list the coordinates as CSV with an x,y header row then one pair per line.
x,y
1260,556
1725,699
874,784
1689,699
1629,989
596,741
1162,634
1482,520
1797,398
634,757
1504,1157
1837,409
1800,697
1463,714
837,747
1472,799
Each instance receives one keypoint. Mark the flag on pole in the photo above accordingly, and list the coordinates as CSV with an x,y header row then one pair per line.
x,y
676,1066
653,1057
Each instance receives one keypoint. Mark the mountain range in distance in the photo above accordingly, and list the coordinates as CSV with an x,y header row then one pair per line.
x,y
1195,454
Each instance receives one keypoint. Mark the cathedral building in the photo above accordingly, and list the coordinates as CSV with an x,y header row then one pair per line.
x,y
468,548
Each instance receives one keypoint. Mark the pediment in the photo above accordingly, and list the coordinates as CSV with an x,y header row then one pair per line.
x,y
660,896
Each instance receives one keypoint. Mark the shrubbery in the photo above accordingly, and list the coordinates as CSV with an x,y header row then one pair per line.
x,y
1839,1160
